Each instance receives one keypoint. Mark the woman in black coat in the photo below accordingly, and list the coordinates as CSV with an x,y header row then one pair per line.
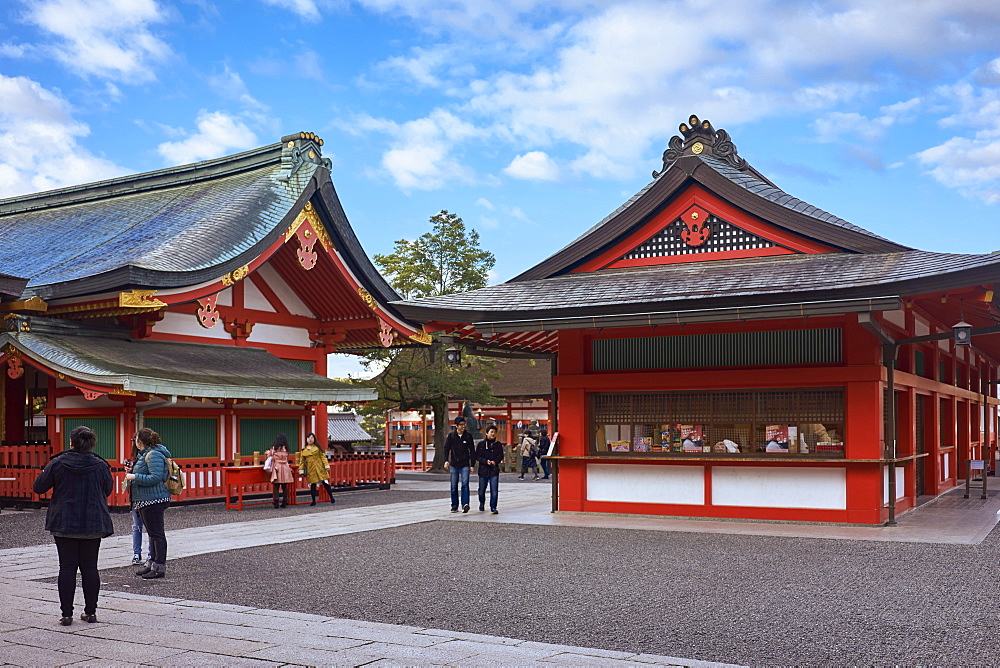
x,y
78,518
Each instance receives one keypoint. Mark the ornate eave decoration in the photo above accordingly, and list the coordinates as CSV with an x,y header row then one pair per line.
x,y
700,138
139,299
34,305
235,276
308,228
298,150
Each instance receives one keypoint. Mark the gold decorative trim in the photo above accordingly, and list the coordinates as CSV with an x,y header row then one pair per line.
x,y
77,308
368,299
110,312
236,275
34,304
139,299
422,337
308,213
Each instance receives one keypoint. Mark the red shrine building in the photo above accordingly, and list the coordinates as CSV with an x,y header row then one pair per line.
x,y
200,301
724,349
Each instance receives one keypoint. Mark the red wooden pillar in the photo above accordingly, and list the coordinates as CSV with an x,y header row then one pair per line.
x,y
906,436
14,398
863,439
933,469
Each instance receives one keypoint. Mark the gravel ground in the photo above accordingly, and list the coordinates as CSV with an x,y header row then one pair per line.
x,y
753,600
21,529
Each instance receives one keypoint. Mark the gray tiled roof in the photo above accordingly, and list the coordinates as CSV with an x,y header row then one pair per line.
x,y
169,228
746,189
724,282
344,428
186,369
748,181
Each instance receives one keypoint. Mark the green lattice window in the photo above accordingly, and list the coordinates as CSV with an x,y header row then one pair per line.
x,y
257,434
187,437
106,429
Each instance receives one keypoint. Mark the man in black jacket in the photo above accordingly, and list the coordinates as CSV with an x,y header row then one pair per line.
x,y
459,454
489,456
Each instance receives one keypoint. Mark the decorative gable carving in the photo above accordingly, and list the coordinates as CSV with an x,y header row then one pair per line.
x,y
700,138
704,233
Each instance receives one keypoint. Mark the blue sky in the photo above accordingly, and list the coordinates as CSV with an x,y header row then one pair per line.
x,y
532,120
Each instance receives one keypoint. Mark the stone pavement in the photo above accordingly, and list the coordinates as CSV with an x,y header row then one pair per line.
x,y
200,633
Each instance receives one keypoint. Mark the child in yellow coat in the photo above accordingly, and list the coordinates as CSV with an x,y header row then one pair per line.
x,y
313,465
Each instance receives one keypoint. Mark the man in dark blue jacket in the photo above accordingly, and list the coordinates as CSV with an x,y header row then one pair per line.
x,y
489,456
459,454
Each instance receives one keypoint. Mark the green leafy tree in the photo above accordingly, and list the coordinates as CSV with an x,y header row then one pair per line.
x,y
446,260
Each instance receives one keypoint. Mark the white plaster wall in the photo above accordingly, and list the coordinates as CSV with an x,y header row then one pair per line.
x,y
285,293
646,484
187,325
896,317
254,299
225,297
921,327
280,334
779,487
78,401
900,481
943,345
946,468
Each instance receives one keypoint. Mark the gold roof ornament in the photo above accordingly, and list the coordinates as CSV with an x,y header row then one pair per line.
x,y
139,299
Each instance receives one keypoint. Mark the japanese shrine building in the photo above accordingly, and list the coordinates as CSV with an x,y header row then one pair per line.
x,y
724,349
199,300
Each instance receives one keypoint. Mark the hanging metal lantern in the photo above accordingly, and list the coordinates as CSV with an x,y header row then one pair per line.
x,y
962,334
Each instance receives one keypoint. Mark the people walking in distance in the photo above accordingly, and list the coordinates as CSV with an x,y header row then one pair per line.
x,y
78,518
489,456
137,526
543,449
281,472
314,466
151,498
529,454
459,455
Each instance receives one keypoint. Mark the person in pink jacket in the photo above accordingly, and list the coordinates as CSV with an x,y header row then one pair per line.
x,y
281,472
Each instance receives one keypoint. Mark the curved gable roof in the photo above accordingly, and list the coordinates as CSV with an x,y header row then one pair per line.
x,y
715,166
168,228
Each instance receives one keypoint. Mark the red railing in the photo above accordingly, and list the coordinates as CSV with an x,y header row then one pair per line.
x,y
202,477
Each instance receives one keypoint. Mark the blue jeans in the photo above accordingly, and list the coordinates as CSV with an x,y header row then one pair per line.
x,y
494,483
136,533
457,472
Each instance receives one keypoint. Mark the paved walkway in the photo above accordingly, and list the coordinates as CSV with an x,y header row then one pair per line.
x,y
200,633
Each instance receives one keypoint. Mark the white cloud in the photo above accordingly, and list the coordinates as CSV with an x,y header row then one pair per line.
x,y
421,156
106,38
218,133
533,166
306,9
970,164
230,84
837,125
529,23
616,82
38,142
485,203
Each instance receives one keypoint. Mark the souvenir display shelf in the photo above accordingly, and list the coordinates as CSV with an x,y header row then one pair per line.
x,y
787,422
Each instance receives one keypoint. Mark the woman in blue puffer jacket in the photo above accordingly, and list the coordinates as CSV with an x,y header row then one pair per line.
x,y
151,498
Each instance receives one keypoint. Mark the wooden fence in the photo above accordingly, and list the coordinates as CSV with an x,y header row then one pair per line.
x,y
202,477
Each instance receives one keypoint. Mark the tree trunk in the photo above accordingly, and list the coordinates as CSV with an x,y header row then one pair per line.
x,y
441,432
